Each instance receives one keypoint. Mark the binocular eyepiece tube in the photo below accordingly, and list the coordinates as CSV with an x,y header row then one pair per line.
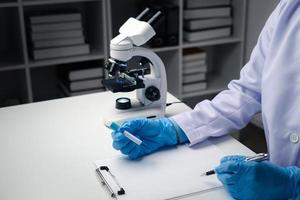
x,y
153,18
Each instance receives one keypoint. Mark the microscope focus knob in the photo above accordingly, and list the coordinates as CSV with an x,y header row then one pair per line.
x,y
152,93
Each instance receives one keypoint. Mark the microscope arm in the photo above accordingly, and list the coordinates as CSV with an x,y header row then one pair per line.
x,y
157,64
157,68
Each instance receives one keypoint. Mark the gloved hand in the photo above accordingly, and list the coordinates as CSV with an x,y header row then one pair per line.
x,y
154,133
258,180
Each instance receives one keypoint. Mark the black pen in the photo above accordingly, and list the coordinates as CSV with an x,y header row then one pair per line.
x,y
258,158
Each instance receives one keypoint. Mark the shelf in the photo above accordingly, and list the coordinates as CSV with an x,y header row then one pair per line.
x,y
92,23
212,42
7,4
101,21
238,28
43,63
11,67
221,70
215,84
11,49
45,81
47,2
13,88
162,49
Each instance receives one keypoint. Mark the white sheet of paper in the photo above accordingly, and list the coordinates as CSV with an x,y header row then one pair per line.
x,y
166,174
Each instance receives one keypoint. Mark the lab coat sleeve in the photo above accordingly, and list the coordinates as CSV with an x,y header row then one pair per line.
x,y
233,108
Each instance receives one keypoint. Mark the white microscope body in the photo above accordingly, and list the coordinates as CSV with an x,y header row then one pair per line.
x,y
151,89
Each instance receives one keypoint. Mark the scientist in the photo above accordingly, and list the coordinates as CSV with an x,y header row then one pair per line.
x,y
270,83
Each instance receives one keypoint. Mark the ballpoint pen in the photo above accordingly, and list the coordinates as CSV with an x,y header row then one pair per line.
x,y
114,126
257,158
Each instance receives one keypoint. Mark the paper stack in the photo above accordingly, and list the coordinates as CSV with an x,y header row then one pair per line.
x,y
194,70
207,19
57,35
79,81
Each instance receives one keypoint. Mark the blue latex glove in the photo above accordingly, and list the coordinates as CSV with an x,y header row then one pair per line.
x,y
258,180
155,133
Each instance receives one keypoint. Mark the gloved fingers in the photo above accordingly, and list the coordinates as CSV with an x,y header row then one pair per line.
x,y
236,158
229,167
134,126
150,142
226,179
119,145
230,172
118,136
233,190
135,153
119,140
128,148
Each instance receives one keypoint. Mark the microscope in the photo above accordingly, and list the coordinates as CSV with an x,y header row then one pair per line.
x,y
150,89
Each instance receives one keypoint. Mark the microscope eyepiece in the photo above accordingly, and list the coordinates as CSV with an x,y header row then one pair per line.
x,y
149,15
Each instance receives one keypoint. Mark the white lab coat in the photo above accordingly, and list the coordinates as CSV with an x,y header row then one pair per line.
x,y
269,82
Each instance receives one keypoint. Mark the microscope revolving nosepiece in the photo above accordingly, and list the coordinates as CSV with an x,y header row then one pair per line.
x,y
115,66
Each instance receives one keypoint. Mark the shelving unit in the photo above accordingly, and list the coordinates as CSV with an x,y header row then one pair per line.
x,y
31,81
16,90
27,80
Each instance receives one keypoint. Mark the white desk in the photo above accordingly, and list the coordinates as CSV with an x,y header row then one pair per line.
x,y
47,149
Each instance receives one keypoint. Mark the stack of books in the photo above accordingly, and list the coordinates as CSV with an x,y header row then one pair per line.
x,y
207,19
166,27
194,70
74,82
57,35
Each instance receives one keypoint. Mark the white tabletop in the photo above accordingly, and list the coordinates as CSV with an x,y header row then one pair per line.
x,y
47,149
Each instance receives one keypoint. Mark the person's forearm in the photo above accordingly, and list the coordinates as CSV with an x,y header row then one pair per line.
x,y
230,110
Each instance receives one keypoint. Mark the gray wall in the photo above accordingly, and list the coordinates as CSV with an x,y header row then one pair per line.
x,y
258,13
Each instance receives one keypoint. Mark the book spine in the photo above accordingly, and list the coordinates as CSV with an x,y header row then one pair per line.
x,y
197,69
196,63
61,52
207,23
58,42
55,18
207,13
56,35
85,74
193,78
56,27
207,34
194,87
194,57
85,85
66,92
206,3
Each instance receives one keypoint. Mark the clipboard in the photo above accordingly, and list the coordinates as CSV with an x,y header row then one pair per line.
x,y
171,173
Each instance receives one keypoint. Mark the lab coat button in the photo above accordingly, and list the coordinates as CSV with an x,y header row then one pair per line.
x,y
294,138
